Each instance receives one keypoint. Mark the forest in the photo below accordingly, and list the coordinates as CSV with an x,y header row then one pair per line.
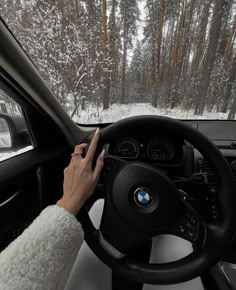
x,y
166,53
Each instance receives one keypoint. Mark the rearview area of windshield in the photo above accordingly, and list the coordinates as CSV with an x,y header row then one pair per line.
x,y
110,59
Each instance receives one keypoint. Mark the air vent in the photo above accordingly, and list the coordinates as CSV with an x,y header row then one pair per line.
x,y
231,161
205,166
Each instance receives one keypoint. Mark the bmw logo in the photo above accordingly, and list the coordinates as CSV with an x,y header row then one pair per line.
x,y
143,197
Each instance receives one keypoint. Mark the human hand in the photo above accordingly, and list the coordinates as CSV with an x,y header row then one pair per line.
x,y
79,178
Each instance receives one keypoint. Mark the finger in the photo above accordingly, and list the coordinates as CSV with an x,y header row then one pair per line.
x,y
92,147
65,170
79,150
99,165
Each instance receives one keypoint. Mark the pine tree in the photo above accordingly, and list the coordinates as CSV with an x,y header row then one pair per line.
x,y
210,55
130,15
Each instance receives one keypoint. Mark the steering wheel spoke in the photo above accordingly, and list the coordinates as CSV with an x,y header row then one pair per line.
x,y
117,234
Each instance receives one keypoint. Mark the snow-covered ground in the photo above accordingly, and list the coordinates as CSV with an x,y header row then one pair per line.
x,y
94,114
5,141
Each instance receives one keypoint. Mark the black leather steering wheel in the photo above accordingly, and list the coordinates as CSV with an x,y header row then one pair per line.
x,y
128,220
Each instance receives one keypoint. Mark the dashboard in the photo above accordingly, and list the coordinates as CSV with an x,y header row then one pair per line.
x,y
164,149
159,149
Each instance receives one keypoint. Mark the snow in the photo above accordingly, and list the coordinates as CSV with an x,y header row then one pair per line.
x,y
143,17
94,114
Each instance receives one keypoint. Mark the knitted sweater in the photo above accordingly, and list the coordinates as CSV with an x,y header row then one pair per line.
x,y
42,257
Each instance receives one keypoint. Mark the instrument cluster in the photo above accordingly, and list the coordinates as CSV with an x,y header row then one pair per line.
x,y
155,149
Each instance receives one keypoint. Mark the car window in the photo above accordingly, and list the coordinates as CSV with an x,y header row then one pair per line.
x,y
15,138
107,60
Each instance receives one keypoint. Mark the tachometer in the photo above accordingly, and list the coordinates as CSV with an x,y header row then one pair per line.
x,y
127,148
160,149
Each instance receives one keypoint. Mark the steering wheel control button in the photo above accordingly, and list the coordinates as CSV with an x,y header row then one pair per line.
x,y
143,197
191,227
111,164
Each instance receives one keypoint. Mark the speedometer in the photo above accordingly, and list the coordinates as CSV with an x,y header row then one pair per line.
x,y
160,149
127,148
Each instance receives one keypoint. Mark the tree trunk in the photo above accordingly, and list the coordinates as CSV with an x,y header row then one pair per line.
x,y
106,81
186,39
154,54
176,52
210,56
77,11
229,87
201,39
169,71
159,36
114,70
230,42
125,45
200,49
232,110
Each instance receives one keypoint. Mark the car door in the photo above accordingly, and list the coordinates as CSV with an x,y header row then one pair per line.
x,y
31,174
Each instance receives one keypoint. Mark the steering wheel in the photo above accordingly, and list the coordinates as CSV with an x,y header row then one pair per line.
x,y
142,201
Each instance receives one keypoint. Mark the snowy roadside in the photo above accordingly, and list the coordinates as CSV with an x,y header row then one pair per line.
x,y
94,115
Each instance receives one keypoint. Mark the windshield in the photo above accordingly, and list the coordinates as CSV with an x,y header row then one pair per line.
x,y
109,59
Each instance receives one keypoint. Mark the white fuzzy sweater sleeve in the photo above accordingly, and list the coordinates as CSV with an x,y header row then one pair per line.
x,y
42,257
